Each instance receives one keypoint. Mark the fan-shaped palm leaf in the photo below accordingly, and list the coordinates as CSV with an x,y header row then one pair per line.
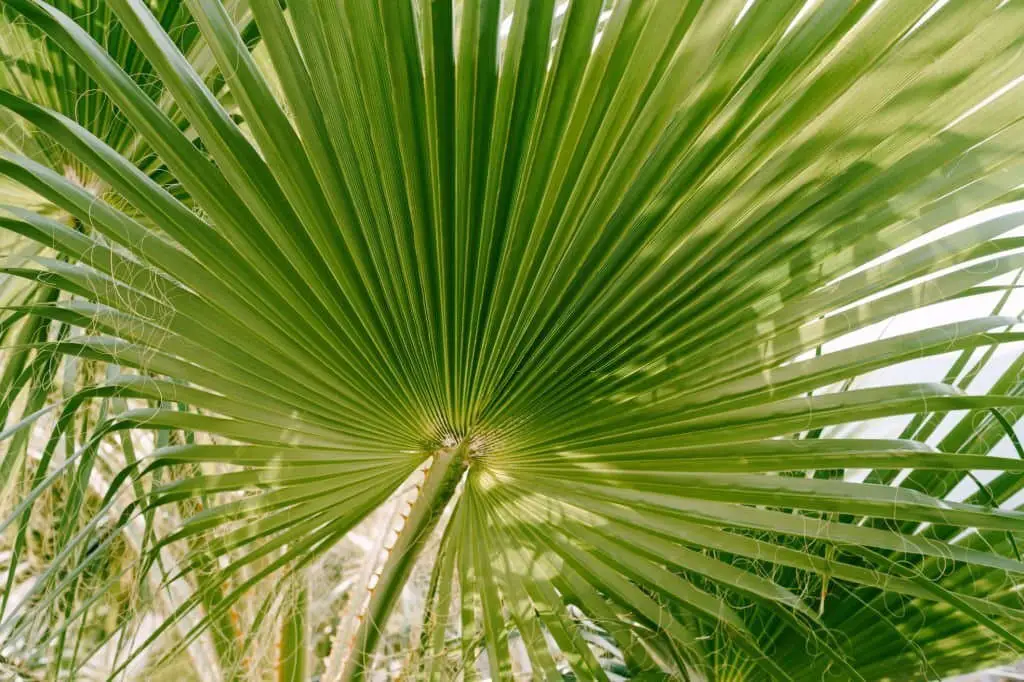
x,y
577,264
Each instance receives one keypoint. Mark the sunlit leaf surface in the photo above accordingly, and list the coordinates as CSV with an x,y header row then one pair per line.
x,y
604,287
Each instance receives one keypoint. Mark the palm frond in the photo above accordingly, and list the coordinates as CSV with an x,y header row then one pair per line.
x,y
596,264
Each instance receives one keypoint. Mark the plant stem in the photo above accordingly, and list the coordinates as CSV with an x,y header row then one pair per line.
x,y
292,654
438,487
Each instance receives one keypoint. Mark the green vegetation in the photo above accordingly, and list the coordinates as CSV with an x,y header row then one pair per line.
x,y
576,310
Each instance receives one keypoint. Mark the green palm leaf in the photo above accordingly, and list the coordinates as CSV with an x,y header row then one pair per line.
x,y
576,268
